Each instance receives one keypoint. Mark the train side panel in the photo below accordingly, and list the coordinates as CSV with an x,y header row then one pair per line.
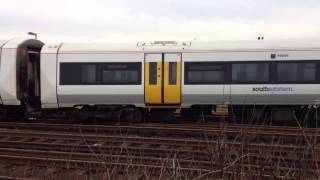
x,y
100,94
275,93
200,93
218,91
8,73
247,93
48,76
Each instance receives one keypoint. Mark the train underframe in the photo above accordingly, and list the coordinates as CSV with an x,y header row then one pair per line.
x,y
300,115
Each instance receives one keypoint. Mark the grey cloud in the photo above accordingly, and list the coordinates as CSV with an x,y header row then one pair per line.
x,y
246,10
144,19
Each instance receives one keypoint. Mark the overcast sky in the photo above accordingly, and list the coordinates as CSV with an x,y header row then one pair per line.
x,y
148,20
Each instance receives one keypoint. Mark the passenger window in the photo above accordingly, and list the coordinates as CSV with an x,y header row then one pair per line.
x,y
121,73
119,77
250,73
88,74
100,73
152,73
204,73
172,73
70,74
296,72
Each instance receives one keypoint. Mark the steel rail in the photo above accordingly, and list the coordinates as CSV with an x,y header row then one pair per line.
x,y
179,153
131,139
29,142
173,129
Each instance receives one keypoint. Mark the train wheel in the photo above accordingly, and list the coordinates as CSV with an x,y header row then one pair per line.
x,y
131,114
73,116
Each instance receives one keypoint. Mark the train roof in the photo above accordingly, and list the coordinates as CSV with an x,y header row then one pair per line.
x,y
172,46
16,42
2,42
101,47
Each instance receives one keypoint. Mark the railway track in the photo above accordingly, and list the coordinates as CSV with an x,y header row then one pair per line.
x,y
170,129
105,143
253,134
101,147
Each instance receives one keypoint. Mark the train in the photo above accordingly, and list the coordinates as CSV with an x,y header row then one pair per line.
x,y
257,80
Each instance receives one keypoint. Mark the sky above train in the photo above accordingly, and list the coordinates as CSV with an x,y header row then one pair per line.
x,y
148,20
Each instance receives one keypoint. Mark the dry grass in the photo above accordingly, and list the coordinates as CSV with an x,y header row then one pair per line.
x,y
225,162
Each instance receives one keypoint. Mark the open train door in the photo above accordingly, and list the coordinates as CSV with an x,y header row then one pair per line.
x,y
163,79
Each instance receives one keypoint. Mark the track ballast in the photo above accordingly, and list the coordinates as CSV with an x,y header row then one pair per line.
x,y
186,150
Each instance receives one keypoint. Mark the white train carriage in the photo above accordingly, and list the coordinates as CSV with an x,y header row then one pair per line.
x,y
180,75
19,67
259,80
91,75
252,74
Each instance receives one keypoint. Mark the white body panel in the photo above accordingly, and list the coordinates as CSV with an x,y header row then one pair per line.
x,y
200,94
242,93
8,88
294,94
2,43
48,75
153,58
70,95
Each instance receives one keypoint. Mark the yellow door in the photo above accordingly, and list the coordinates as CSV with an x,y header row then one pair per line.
x,y
163,79
153,78
172,78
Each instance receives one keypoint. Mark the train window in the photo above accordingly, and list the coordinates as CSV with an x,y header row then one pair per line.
x,y
296,72
204,73
121,74
152,73
100,73
70,74
250,73
119,77
88,74
172,73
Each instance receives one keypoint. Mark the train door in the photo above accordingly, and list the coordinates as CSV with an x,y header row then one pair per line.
x,y
172,78
33,79
163,79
